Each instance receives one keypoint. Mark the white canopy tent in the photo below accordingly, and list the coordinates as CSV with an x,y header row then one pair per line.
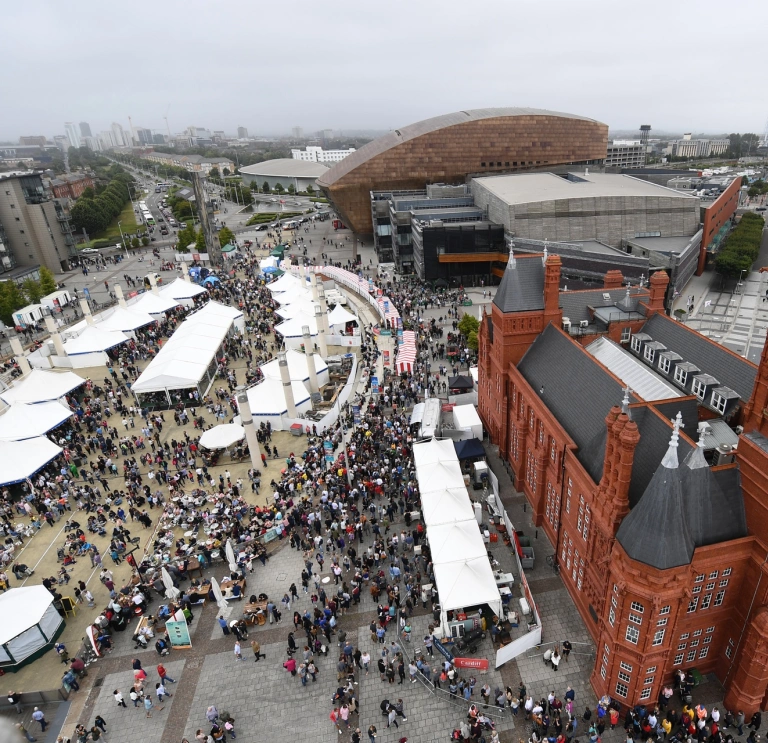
x,y
181,289
446,506
285,282
269,262
40,385
21,459
222,436
341,316
94,340
433,451
267,401
151,303
297,367
465,418
291,295
301,306
467,582
30,624
22,421
460,540
126,320
216,309
440,475
292,332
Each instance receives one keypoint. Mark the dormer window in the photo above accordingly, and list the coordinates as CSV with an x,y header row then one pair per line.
x,y
664,364
718,403
681,376
699,388
649,354
636,344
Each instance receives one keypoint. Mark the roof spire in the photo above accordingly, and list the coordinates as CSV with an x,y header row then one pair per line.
x,y
546,253
511,263
625,401
670,458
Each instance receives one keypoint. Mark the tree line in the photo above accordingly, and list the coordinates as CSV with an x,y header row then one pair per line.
x,y
741,247
95,210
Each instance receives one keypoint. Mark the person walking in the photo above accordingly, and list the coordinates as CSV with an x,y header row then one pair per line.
x,y
25,732
392,718
161,692
119,698
100,722
14,698
256,647
238,651
163,674
372,733
39,716
148,706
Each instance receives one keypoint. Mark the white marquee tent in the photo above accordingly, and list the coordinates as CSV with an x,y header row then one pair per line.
x,y
440,475
446,506
292,332
434,451
467,582
267,401
460,540
181,289
220,437
39,386
341,316
126,320
465,418
21,459
30,623
297,368
22,421
301,306
286,282
151,303
94,340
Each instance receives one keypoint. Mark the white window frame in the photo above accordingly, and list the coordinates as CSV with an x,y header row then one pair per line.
x,y
706,601
713,575
681,376
632,632
622,690
679,659
710,629
626,667
703,653
691,656
638,607
699,388
652,669
699,578
637,344
646,693
625,677
664,364
720,598
693,605
658,637
727,571
697,633
685,635
649,354
718,402
635,619
664,610
662,622
626,334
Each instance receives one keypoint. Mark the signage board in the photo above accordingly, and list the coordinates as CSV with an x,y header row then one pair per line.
x,y
178,634
481,664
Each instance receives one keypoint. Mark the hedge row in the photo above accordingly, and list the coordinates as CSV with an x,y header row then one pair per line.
x,y
741,246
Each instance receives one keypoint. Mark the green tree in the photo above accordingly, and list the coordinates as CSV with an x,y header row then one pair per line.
x,y
145,241
200,246
86,216
226,236
226,172
265,187
11,299
291,189
185,237
279,188
183,209
472,341
310,190
245,196
135,242
47,282
468,324
88,193
214,173
32,290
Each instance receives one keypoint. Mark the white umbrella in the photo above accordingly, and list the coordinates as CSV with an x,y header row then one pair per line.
x,y
220,437
231,556
171,591
220,600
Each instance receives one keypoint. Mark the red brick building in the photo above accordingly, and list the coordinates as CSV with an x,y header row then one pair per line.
x,y
71,186
715,215
620,429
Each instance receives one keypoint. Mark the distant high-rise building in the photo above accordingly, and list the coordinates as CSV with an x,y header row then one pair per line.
x,y
73,135
326,136
242,132
32,141
297,132
85,129
106,139
61,142
158,138
92,143
144,136
118,136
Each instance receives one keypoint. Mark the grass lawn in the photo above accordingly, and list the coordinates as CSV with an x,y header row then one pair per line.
x,y
127,221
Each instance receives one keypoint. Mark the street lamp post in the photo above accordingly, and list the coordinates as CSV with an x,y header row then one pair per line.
x,y
122,238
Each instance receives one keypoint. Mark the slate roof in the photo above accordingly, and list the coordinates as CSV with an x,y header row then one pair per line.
x,y
577,390
575,305
713,359
655,532
522,286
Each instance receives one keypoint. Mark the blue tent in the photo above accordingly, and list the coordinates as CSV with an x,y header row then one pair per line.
x,y
469,449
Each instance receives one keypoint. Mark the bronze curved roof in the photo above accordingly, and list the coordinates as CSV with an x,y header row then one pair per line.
x,y
412,131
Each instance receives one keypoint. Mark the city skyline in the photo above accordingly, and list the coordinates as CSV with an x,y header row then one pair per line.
x,y
576,58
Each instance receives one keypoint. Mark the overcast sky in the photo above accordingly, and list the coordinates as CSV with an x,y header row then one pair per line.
x,y
351,64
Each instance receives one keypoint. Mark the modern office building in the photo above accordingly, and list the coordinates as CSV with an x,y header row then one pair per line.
x,y
242,132
689,147
448,149
119,136
297,132
286,172
643,452
37,227
73,135
319,155
85,129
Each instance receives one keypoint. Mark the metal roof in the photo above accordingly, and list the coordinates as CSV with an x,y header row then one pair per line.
x,y
626,367
286,167
522,286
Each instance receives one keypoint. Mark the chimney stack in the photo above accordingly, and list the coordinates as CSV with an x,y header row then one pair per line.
x,y
309,350
287,389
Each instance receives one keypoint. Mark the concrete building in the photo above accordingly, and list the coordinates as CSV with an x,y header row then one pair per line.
x,y
625,154
92,143
297,132
119,137
319,155
689,147
107,140
37,227
61,142
85,129
242,132
286,172
659,534
193,163
448,149
73,135
38,141
143,136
